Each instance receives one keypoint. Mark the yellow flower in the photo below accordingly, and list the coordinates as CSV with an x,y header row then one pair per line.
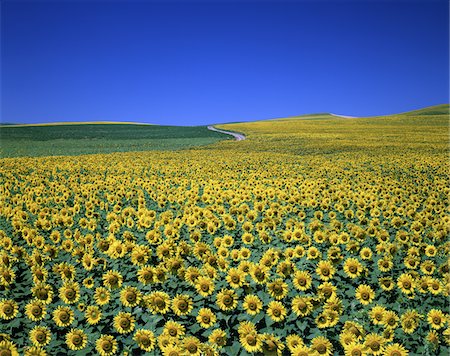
x,y
31,351
390,319
252,304
259,273
124,323
410,321
112,280
218,338
278,289
365,294
374,343
395,350
192,346
276,311
436,318
93,314
227,299
352,267
182,304
145,339
69,292
235,278
302,306
43,292
365,253
40,336
251,342
325,270
206,318
246,327
8,309
302,280
63,316
204,286
35,310
174,329
76,339
101,296
406,283
158,302
8,348
130,296
322,345
146,275
354,349
106,345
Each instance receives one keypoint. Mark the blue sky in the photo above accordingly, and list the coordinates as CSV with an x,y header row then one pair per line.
x,y
188,63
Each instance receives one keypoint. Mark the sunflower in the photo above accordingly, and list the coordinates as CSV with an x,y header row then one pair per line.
x,y
251,342
364,294
206,318
130,296
8,348
204,286
172,350
303,350
278,289
395,350
76,339
434,286
227,299
325,270
35,310
8,309
374,343
124,323
385,264
390,319
272,345
276,311
146,275
63,316
352,267
235,278
89,282
436,318
218,338
31,351
252,304
302,306
366,253
69,292
191,346
355,349
410,321
326,290
112,279
174,329
386,283
158,302
313,253
106,345
101,296
93,314
322,345
406,283
302,280
43,292
321,321
145,339
246,327
40,335
259,273
182,304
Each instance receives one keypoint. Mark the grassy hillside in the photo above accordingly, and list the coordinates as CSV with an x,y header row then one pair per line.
x,y
419,131
100,138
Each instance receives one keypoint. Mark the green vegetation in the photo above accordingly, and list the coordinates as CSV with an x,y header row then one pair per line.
x,y
54,140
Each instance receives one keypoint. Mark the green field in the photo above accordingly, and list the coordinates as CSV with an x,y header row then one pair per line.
x,y
54,140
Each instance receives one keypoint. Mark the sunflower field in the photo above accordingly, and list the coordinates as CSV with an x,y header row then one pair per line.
x,y
311,237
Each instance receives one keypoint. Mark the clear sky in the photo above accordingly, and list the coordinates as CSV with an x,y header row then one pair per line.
x,y
186,63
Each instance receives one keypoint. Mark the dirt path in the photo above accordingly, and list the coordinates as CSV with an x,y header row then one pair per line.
x,y
237,136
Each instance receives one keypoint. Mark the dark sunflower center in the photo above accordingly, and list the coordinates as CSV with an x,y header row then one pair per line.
x,y
70,294
124,323
437,320
36,311
302,281
192,348
321,349
42,294
352,269
276,312
375,345
64,316
182,305
5,353
356,353
204,287
40,337
227,300
77,340
172,332
107,346
159,302
235,279
8,309
252,305
325,271
251,340
131,297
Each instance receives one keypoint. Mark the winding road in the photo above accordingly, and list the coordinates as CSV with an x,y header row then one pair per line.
x,y
237,136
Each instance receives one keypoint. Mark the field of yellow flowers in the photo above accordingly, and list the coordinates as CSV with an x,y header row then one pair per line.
x,y
321,236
